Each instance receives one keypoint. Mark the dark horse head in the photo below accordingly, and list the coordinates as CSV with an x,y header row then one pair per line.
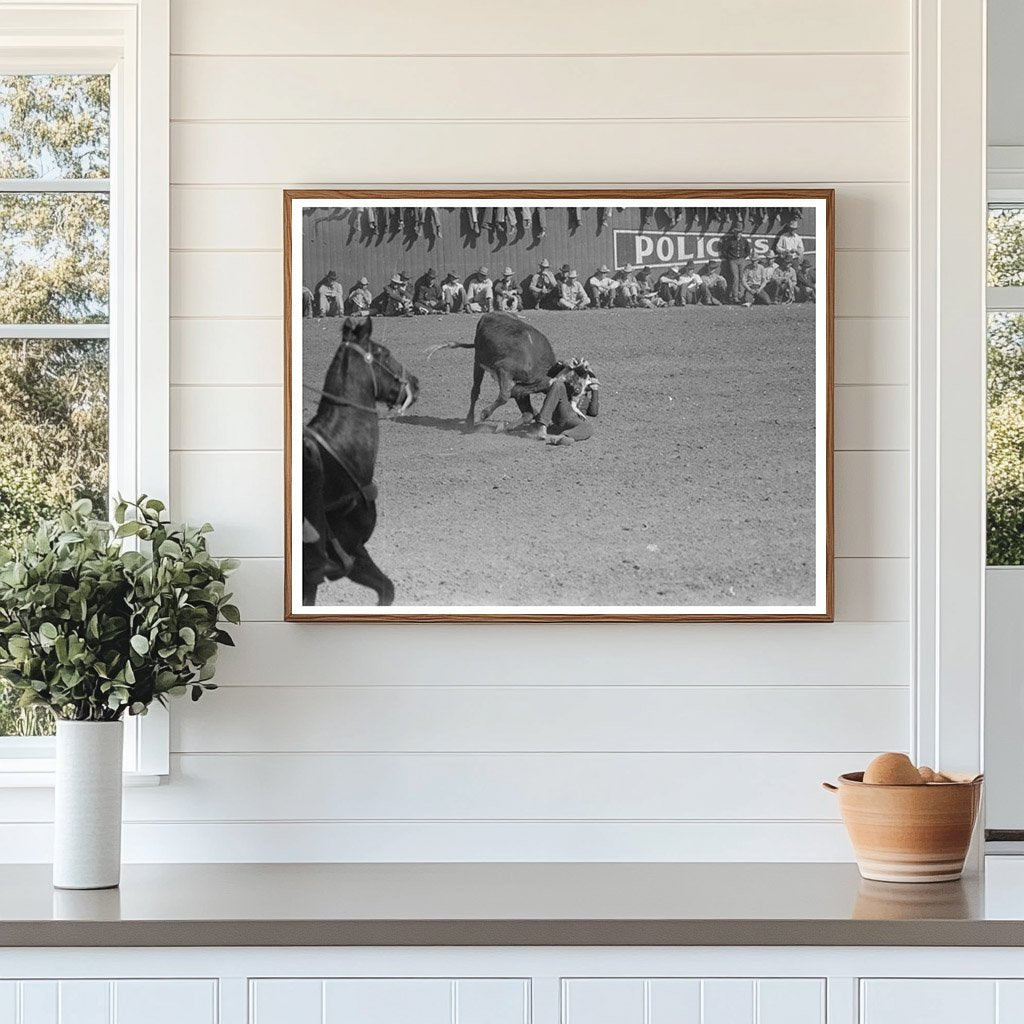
x,y
339,497
383,378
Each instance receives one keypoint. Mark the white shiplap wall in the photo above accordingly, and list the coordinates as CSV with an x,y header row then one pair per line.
x,y
462,742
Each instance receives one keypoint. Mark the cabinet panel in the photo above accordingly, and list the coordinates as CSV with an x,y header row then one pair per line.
x,y
693,1001
8,1002
492,1002
674,1000
84,1002
790,1001
38,1002
389,1001
603,1001
929,1001
286,1001
165,1002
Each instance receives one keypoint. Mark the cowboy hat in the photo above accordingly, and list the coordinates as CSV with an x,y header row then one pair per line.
x,y
362,280
483,271
544,262
397,279
603,269
509,272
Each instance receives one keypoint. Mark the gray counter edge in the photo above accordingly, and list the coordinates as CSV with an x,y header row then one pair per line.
x,y
54,934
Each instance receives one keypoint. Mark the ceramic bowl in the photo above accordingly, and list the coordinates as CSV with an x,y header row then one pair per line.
x,y
909,833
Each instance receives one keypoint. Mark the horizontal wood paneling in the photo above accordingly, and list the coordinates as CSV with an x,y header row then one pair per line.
x,y
576,152
242,493
737,93
872,589
305,26
872,350
868,216
867,589
360,841
867,418
872,498
236,418
227,352
693,654
255,787
536,88
240,284
212,418
631,718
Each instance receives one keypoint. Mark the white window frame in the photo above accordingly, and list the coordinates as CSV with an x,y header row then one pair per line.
x,y
1005,585
130,41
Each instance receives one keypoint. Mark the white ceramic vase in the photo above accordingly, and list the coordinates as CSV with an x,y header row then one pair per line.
x,y
87,806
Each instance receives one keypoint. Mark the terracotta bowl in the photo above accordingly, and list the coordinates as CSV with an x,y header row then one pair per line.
x,y
909,833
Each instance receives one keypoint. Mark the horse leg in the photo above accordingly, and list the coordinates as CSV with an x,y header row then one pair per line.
x,y
367,573
308,593
504,394
474,395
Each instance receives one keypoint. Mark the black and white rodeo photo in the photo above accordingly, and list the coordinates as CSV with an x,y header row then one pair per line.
x,y
567,406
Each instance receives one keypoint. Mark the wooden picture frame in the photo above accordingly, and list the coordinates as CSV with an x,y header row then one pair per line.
x,y
298,281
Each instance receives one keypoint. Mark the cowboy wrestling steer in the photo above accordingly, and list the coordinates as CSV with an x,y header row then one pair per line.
x,y
515,354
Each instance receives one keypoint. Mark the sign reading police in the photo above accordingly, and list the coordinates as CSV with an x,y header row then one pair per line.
x,y
668,248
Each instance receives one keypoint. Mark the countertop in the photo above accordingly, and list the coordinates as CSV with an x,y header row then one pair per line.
x,y
510,904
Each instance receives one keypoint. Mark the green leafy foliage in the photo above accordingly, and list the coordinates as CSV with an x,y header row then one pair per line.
x,y
1005,476
91,629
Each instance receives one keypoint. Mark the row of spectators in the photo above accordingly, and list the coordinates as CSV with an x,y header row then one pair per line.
x,y
742,277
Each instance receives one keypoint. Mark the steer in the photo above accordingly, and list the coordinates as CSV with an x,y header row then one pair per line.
x,y
515,354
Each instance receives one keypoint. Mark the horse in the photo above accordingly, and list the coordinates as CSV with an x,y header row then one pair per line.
x,y
339,453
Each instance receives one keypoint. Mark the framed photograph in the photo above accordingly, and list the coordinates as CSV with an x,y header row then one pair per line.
x,y
542,405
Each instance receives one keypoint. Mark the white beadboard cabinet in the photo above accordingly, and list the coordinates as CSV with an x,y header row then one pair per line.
x,y
513,985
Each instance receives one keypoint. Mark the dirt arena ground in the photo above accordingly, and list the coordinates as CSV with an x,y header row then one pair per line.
x,y
697,488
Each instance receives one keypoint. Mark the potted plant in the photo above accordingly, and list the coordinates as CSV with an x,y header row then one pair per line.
x,y
99,620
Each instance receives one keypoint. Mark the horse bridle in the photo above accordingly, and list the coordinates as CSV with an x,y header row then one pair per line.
x,y
374,361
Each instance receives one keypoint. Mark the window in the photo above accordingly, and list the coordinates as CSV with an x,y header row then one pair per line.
x,y
84,123
1005,478
55,294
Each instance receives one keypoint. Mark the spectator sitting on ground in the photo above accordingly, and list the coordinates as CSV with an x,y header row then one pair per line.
x,y
480,292
646,296
508,296
428,294
626,291
360,298
602,288
453,295
328,296
307,301
540,286
690,284
788,243
806,278
783,282
396,298
713,287
668,286
571,294
756,277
